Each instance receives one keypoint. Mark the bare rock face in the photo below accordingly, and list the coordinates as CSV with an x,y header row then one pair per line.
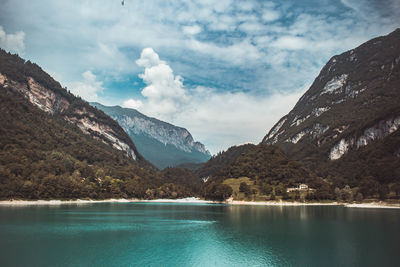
x,y
338,101
351,105
162,143
38,95
101,131
99,126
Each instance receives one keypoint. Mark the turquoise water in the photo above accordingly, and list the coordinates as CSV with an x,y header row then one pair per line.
x,y
157,234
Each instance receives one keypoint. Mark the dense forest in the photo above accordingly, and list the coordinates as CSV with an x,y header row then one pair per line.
x,y
362,112
271,173
45,156
269,169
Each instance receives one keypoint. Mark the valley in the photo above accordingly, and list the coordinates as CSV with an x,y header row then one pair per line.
x,y
340,142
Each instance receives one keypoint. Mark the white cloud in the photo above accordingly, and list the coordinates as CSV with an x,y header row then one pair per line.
x,y
252,27
148,58
89,88
270,15
291,43
262,41
164,91
224,119
245,6
132,103
192,30
222,22
252,46
219,119
218,6
371,9
12,42
242,53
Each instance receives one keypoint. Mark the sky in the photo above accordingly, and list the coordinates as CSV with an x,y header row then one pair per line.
x,y
225,70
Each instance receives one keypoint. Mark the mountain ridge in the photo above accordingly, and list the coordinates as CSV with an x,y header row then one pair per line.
x,y
162,143
42,91
351,105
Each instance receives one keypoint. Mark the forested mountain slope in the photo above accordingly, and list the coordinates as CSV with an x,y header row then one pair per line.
x,y
54,145
345,127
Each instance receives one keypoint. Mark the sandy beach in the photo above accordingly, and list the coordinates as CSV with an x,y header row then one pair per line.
x,y
90,201
279,203
373,205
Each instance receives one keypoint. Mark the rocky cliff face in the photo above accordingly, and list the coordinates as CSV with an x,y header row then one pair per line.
x,y
161,143
48,95
38,95
353,103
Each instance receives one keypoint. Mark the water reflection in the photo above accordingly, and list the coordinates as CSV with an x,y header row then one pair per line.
x,y
137,234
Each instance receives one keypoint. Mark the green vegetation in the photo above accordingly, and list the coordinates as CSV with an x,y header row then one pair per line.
x,y
221,160
243,188
42,156
217,191
263,172
369,98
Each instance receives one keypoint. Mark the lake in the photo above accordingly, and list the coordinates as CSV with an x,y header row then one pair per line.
x,y
176,234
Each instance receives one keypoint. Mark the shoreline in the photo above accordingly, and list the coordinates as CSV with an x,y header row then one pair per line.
x,y
18,202
370,205
193,200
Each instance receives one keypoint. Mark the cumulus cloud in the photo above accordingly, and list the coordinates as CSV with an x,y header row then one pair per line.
x,y
132,103
218,118
263,48
89,88
148,58
12,42
164,91
224,119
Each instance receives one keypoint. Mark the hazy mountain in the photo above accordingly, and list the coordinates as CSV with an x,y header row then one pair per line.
x,y
55,145
343,131
346,125
163,144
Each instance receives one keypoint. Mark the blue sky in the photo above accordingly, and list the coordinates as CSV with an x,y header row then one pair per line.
x,y
225,70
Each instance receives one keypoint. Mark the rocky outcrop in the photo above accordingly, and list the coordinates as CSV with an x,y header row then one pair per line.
x,y
160,142
102,132
38,95
87,121
376,132
347,124
163,132
352,102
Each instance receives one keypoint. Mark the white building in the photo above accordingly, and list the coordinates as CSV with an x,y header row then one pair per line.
x,y
301,187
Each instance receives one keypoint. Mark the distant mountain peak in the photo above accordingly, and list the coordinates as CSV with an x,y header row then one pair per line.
x,y
346,80
42,91
352,107
156,139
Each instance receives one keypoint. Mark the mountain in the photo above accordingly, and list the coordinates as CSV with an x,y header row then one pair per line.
x,y
345,127
163,144
221,160
264,170
55,145
44,92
